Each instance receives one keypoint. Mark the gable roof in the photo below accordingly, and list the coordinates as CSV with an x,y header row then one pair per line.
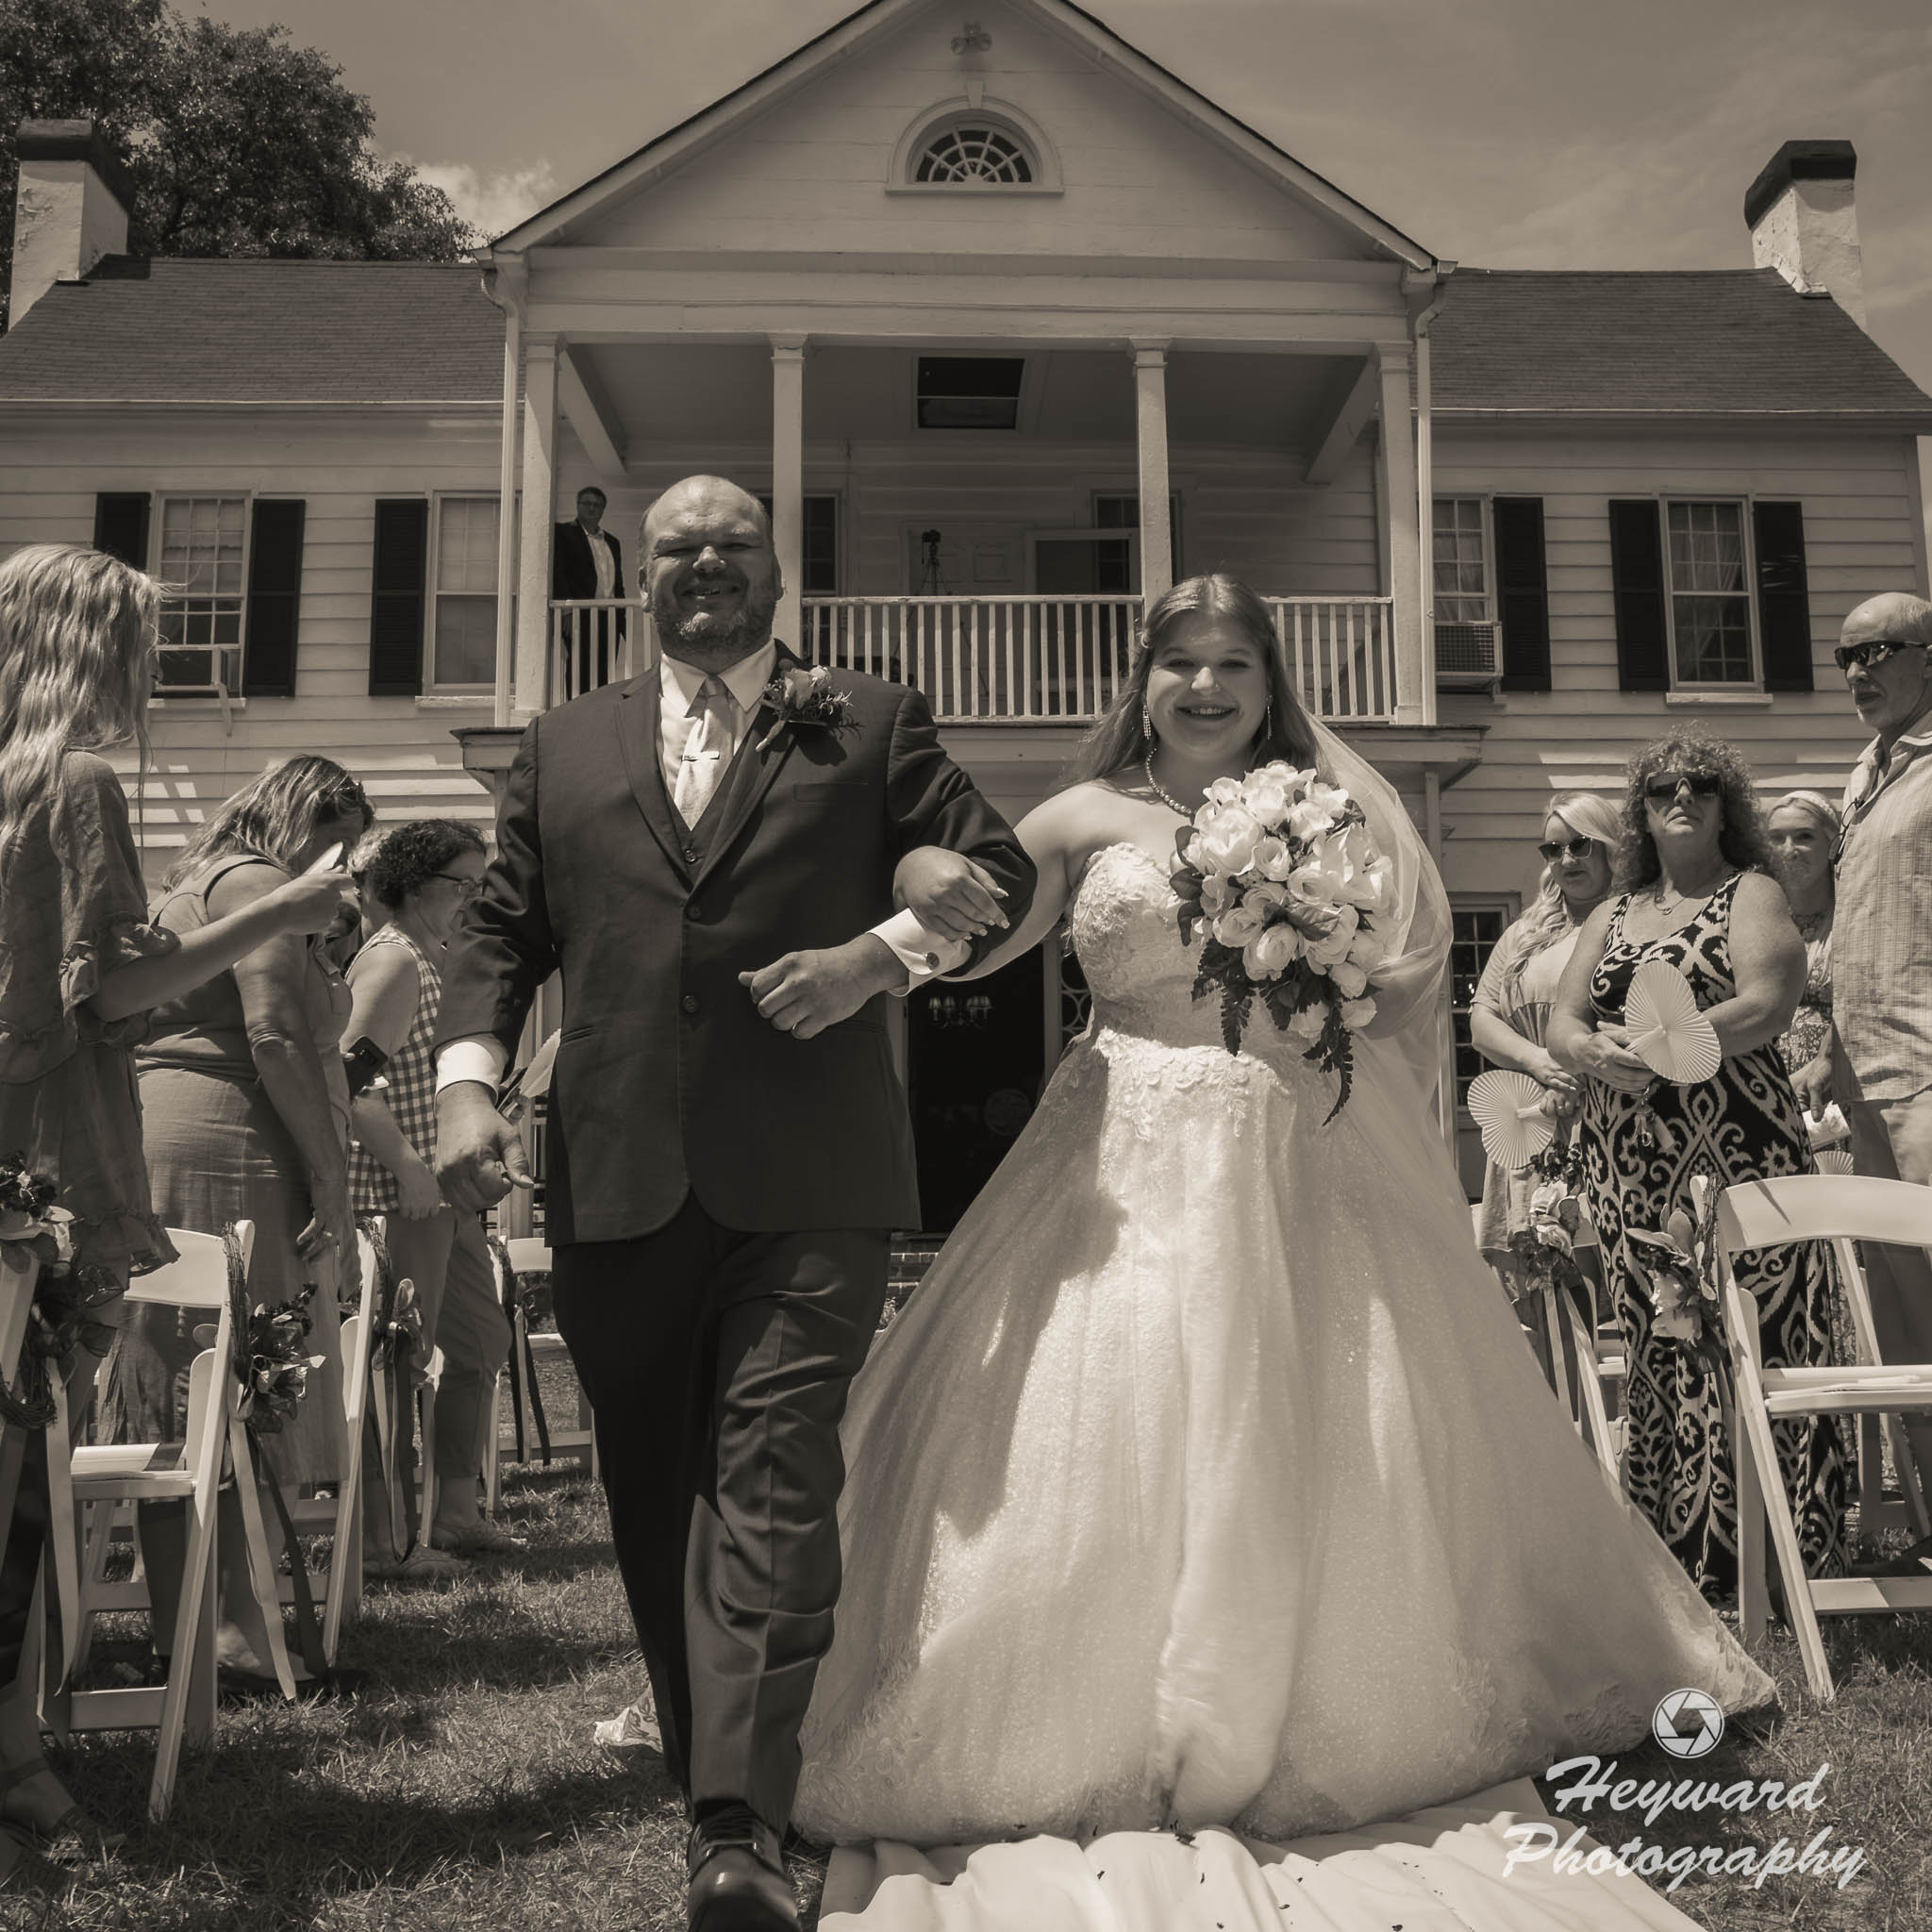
x,y
258,331
839,43
1643,342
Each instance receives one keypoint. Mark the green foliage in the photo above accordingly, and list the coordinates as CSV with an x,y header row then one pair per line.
x,y
239,141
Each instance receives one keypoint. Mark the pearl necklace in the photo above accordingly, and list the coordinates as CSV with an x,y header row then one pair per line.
x,y
1161,790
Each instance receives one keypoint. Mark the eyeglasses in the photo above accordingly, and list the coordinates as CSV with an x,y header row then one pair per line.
x,y
1553,849
464,884
1664,787
1877,652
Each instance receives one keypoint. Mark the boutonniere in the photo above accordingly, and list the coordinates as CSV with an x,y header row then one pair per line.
x,y
801,696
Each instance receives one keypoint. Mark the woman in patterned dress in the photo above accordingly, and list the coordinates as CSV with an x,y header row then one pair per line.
x,y
1694,893
420,877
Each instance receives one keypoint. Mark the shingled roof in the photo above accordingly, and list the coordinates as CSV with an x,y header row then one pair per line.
x,y
258,331
1699,341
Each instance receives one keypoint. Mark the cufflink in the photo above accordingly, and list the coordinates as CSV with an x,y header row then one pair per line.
x,y
932,961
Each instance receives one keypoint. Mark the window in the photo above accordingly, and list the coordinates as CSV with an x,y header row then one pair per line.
x,y
1114,562
1476,929
969,391
1461,562
973,151
820,544
1710,595
462,650
204,562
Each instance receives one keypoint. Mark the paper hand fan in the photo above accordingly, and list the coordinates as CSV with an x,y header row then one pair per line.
x,y
1833,1161
1667,1032
534,1080
1828,1129
1510,1111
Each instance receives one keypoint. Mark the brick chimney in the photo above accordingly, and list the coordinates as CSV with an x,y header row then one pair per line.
x,y
70,208
1803,221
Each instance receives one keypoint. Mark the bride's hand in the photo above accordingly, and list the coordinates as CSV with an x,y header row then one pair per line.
x,y
950,895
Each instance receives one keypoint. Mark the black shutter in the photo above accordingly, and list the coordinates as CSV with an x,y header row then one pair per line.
x,y
1523,592
1784,604
395,616
275,597
1637,586
121,526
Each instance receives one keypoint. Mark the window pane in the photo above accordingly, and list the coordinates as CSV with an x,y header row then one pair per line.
x,y
466,544
1475,932
465,640
1713,640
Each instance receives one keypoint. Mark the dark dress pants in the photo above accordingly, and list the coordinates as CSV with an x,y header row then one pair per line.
x,y
718,1364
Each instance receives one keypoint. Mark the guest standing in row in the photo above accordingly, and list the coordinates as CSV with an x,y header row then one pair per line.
x,y
421,875
248,1111
81,966
1693,893
1508,1023
1802,830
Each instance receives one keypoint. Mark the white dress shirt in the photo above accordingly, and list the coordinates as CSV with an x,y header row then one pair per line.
x,y
602,562
925,954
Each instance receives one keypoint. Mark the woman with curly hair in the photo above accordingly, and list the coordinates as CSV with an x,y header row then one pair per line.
x,y
419,877
1694,890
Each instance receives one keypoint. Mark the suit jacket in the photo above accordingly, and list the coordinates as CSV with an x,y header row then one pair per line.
x,y
667,1079
572,574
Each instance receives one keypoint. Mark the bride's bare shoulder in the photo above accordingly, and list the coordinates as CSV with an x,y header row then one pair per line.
x,y
1083,817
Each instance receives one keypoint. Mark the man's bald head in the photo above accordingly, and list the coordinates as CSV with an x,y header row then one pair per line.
x,y
1892,614
708,572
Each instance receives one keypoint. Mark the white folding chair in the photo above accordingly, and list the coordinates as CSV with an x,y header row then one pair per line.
x,y
110,1475
1840,1210
528,1257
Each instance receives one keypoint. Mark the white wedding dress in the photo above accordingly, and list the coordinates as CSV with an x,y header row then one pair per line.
x,y
1207,1480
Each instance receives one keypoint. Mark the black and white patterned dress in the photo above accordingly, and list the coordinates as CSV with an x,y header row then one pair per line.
x,y
1744,1122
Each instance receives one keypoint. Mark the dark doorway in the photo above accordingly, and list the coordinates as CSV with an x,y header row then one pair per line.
x,y
976,1052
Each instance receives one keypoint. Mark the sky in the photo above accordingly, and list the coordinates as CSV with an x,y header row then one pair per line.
x,y
1499,133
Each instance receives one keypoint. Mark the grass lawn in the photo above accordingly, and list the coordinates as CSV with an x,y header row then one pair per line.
x,y
462,1787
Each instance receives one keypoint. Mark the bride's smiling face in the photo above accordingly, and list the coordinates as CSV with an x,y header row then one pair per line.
x,y
1207,690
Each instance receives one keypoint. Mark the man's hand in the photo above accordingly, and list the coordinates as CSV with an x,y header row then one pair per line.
x,y
947,892
803,993
478,1157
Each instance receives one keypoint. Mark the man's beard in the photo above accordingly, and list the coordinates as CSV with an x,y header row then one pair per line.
x,y
721,641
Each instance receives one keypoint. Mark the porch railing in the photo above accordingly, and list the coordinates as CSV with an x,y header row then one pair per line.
x,y
1041,660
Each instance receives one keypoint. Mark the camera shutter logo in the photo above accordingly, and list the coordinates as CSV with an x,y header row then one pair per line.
x,y
1687,1723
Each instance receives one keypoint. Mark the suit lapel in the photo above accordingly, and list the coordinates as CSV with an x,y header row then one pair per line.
x,y
636,731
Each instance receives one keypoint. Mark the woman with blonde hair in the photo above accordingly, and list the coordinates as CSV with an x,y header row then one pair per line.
x,y
1510,1015
247,1109
1804,829
80,967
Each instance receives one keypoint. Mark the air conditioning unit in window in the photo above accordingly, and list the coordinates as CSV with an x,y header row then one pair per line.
x,y
1468,657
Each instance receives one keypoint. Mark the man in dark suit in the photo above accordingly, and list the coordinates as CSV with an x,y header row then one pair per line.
x,y
586,560
695,851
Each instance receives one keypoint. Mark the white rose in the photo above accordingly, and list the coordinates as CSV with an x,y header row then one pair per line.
x,y
1267,792
1308,820
1217,893
1239,925
1307,1025
1225,792
1331,949
1270,857
1368,948
1227,840
1269,952
1273,897
1355,1014
1350,981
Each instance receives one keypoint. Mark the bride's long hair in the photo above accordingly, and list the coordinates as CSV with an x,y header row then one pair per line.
x,y
1118,739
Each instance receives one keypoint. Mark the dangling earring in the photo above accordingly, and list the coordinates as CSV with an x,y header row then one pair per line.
x,y
1147,725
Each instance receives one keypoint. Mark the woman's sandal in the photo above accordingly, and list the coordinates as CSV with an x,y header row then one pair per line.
x,y
75,1837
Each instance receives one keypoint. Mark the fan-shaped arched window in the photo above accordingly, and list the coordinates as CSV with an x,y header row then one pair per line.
x,y
974,151
974,144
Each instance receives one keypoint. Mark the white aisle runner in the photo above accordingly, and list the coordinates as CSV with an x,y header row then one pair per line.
x,y
1439,1869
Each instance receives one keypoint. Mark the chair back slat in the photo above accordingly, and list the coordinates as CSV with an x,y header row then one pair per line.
x,y
528,1257
200,1278
1827,1206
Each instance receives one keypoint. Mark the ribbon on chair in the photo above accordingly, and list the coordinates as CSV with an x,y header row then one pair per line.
x,y
308,1625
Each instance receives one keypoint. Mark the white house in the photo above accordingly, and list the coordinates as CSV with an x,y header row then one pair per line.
x,y
1011,325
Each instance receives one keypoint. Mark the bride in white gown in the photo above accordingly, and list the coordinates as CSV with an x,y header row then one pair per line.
x,y
1207,1478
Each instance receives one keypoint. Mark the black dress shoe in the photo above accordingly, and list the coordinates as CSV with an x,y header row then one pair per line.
x,y
737,1880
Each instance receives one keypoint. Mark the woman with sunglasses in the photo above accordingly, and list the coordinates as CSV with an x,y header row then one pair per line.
x,y
1804,829
420,877
1510,1014
1694,891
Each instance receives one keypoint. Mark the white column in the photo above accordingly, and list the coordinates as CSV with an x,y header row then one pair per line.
x,y
1395,479
787,484
507,527
533,575
1150,423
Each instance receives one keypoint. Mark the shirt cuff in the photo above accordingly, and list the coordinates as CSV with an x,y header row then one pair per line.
x,y
923,954
478,1058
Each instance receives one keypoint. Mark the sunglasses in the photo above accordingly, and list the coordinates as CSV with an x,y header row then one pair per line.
x,y
1553,849
1877,652
1664,787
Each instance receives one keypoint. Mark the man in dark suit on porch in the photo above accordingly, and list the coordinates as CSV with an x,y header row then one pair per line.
x,y
586,560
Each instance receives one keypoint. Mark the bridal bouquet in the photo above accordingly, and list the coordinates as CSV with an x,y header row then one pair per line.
x,y
1279,871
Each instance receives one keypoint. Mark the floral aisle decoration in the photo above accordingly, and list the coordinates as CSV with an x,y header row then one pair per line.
x,y
1281,877
1677,1266
65,1294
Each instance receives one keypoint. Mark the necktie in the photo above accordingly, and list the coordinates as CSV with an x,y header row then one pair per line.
x,y
706,751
